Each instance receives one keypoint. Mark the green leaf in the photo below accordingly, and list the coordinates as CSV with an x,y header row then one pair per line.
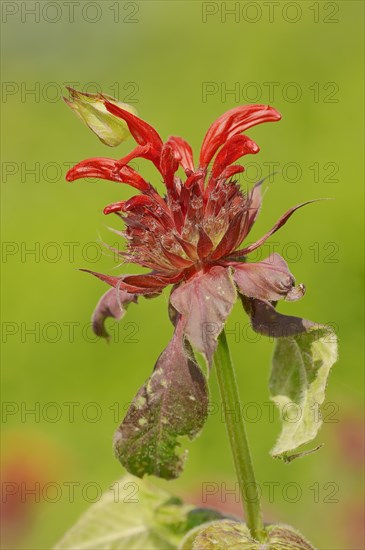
x,y
301,365
222,534
172,403
134,515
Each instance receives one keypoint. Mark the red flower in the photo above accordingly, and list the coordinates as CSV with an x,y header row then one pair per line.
x,y
191,237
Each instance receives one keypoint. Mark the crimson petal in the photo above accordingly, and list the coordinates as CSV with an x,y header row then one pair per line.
x,y
232,171
168,165
232,150
267,280
109,169
131,204
205,302
231,123
183,152
142,132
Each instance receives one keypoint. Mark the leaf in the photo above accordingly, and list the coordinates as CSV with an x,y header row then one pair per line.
x,y
232,535
205,302
134,515
269,322
301,365
172,403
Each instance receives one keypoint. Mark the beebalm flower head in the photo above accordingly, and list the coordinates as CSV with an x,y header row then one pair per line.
x,y
90,108
193,238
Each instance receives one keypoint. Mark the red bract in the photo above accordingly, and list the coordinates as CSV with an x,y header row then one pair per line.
x,y
192,237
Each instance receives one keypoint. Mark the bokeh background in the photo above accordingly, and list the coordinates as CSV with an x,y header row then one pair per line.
x,y
181,64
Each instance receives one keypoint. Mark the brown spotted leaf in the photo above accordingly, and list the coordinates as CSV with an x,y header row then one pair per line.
x,y
172,403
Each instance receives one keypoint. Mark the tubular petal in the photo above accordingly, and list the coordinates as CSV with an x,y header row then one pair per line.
x,y
231,171
137,202
231,123
183,151
115,207
141,151
142,132
232,150
168,166
109,169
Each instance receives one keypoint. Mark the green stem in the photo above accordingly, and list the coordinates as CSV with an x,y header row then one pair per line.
x,y
238,439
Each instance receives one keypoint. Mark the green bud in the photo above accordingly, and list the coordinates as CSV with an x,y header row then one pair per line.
x,y
90,108
236,536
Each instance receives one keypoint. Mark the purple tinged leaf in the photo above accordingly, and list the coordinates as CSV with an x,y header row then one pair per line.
x,y
112,304
267,280
267,321
172,403
205,302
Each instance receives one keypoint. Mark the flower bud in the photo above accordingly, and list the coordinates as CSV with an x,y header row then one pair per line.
x,y
90,108
233,534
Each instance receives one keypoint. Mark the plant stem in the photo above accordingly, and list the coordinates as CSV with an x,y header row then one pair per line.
x,y
238,439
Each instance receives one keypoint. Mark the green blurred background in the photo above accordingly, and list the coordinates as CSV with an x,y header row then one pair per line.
x,y
175,62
